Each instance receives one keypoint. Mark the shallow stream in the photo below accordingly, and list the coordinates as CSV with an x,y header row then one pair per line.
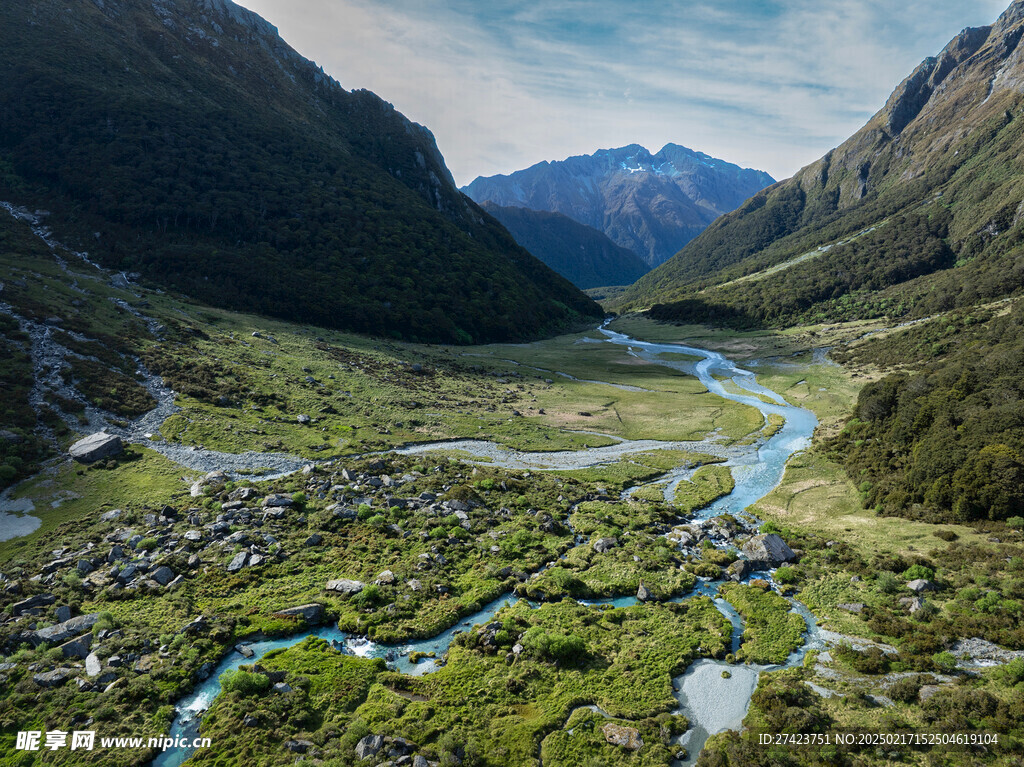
x,y
711,702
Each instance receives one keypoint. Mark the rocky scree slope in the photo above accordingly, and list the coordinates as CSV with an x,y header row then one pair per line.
x,y
186,140
652,204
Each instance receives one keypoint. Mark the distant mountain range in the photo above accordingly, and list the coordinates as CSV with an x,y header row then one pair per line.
x,y
184,139
581,254
652,204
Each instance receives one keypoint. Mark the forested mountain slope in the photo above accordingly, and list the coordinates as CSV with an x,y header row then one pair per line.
x,y
186,140
579,253
920,211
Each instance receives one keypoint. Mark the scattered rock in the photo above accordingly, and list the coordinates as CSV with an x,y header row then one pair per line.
x,y
54,678
162,575
605,544
62,632
345,586
620,735
305,420
369,746
78,647
238,562
93,667
767,551
277,500
39,600
96,447
852,607
311,613
739,570
386,578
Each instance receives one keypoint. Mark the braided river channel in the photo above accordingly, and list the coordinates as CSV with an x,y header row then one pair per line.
x,y
712,703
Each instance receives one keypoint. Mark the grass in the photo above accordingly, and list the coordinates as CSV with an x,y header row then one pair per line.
x,y
816,495
707,484
772,632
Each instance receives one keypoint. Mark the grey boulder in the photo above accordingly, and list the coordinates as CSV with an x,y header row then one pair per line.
x,y
767,551
96,447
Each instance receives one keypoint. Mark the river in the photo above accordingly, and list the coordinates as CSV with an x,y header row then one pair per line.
x,y
712,703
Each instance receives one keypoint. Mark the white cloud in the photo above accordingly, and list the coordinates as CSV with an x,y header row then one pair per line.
x,y
503,85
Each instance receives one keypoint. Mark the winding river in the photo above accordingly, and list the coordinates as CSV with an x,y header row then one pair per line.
x,y
711,702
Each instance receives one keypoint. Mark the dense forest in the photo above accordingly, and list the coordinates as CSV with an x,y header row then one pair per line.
x,y
946,442
204,153
581,254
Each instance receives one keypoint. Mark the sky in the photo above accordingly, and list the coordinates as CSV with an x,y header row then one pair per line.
x,y
504,84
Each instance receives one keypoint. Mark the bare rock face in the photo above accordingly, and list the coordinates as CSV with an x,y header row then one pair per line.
x,y
96,447
767,551
626,737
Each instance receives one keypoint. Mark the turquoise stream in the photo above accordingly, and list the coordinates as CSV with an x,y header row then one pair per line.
x,y
711,703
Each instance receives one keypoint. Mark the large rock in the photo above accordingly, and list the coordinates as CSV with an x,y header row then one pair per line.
x,y
238,561
767,551
93,666
643,593
345,586
77,647
39,600
921,585
162,575
604,544
620,735
62,632
311,613
54,678
739,570
369,746
96,447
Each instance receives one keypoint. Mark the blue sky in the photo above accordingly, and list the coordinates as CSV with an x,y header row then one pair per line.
x,y
770,84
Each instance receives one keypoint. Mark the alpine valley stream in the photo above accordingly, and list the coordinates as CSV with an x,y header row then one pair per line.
x,y
711,702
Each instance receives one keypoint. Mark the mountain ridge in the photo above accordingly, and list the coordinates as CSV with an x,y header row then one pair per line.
x,y
650,203
581,254
944,145
193,145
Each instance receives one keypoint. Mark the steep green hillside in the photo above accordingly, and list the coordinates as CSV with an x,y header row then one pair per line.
x,y
918,212
186,141
919,216
579,253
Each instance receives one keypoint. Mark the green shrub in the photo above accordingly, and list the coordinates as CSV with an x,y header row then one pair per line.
x,y
914,572
786,575
552,646
244,682
364,512
1015,522
147,544
944,661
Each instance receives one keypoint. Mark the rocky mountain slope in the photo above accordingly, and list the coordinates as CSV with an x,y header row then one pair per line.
x,y
919,211
184,139
581,254
652,204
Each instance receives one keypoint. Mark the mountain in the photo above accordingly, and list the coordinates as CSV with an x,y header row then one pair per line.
x,y
185,140
917,218
920,211
652,204
581,254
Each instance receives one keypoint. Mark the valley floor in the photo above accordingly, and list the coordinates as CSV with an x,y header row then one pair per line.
x,y
166,570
